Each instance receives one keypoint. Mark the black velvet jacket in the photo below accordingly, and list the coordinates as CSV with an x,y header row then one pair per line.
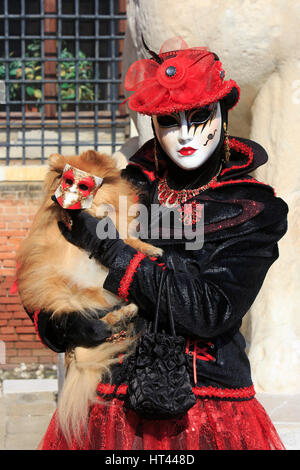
x,y
212,288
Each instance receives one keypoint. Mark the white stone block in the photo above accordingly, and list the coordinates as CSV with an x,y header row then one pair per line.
x,y
29,386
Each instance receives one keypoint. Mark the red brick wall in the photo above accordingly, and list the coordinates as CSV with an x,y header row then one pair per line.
x,y
18,204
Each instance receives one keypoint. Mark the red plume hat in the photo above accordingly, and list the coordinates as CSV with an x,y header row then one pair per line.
x,y
179,79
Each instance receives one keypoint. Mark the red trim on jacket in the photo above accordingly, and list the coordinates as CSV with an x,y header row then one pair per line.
x,y
246,150
131,270
239,147
246,392
151,174
210,391
129,273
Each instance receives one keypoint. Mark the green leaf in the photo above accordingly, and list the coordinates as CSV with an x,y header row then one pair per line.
x,y
34,46
68,94
15,64
38,94
13,72
70,75
30,91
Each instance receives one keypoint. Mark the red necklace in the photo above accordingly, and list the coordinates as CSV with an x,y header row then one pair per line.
x,y
175,198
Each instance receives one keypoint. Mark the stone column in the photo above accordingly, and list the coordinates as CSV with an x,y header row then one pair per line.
x,y
275,325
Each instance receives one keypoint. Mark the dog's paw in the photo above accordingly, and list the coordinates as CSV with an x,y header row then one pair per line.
x,y
154,251
130,311
146,248
123,314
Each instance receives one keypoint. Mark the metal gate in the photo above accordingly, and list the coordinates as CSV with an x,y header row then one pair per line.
x,y
60,86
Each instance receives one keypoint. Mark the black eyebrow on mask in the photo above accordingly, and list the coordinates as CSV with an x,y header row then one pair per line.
x,y
210,119
212,116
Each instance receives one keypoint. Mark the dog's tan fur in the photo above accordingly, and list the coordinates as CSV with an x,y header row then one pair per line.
x,y
58,277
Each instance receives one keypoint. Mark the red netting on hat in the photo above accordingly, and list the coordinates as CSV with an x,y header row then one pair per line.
x,y
178,79
173,44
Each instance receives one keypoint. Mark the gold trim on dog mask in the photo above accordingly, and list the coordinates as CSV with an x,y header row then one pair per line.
x,y
77,188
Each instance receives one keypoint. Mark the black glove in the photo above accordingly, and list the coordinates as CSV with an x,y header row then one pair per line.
x,y
84,235
69,330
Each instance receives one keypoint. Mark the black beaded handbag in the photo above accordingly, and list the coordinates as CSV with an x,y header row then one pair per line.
x,y
159,385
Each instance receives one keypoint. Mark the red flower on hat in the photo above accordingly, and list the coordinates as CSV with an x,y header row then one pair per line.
x,y
179,80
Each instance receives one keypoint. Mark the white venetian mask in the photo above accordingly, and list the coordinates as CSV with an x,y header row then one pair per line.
x,y
190,137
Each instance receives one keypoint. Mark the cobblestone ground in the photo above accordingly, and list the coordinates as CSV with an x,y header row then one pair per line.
x,y
24,418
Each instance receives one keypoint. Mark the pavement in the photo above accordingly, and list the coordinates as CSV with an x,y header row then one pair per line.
x,y
26,407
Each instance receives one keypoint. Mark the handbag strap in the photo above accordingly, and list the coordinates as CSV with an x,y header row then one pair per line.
x,y
164,275
171,319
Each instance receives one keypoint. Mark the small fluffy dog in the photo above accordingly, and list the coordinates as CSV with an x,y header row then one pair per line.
x,y
58,277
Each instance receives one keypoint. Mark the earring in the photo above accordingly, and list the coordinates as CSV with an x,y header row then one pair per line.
x,y
155,156
227,148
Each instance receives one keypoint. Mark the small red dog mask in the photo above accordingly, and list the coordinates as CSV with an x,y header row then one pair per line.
x,y
77,188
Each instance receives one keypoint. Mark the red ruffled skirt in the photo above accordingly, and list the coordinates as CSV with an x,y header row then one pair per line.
x,y
208,425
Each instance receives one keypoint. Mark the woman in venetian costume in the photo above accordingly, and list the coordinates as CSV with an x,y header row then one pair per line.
x,y
191,160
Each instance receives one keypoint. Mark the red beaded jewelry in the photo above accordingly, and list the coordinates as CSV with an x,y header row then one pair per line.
x,y
174,198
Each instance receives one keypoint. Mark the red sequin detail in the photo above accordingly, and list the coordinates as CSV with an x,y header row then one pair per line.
x,y
250,210
208,425
129,273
